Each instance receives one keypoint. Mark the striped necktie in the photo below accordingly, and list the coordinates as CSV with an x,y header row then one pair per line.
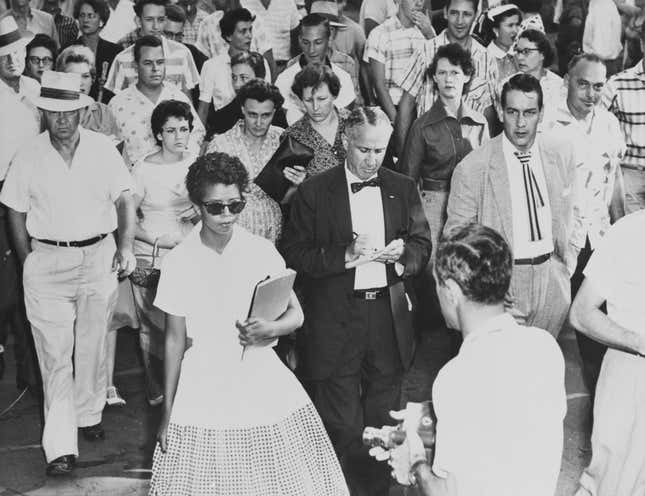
x,y
533,194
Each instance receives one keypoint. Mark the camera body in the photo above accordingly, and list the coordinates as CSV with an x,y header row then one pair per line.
x,y
389,437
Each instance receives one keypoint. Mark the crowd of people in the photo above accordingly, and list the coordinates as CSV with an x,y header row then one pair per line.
x,y
441,165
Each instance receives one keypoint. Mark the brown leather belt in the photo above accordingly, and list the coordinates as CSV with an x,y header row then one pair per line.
x,y
532,261
435,184
74,244
370,294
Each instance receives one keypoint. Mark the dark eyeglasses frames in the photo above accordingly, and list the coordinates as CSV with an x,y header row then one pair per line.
x,y
217,208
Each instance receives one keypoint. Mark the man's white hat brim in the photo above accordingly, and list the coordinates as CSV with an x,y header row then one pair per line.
x,y
60,105
16,45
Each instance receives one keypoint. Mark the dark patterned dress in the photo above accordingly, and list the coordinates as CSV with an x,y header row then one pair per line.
x,y
326,156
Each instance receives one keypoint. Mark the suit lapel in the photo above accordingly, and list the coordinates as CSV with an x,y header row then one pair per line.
x,y
391,207
338,202
501,189
554,188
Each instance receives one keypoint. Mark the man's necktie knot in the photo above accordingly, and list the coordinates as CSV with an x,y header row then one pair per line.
x,y
534,198
356,187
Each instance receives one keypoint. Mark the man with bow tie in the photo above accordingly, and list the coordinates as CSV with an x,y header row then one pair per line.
x,y
356,236
521,186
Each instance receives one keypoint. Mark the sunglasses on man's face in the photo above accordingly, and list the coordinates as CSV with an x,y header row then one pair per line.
x,y
217,207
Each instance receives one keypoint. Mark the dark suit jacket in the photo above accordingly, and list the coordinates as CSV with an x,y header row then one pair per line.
x,y
314,244
105,52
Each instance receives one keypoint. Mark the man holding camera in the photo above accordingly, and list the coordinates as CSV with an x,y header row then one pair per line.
x,y
501,401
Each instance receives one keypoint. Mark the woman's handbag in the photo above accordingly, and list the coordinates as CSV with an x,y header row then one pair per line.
x,y
290,153
146,273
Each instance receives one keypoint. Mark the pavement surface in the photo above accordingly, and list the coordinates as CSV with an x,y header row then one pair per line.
x,y
120,465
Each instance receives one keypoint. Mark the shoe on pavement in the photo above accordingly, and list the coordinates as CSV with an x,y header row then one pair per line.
x,y
93,432
114,398
63,465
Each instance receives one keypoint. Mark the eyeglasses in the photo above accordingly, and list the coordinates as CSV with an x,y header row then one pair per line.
x,y
526,51
40,60
174,36
217,208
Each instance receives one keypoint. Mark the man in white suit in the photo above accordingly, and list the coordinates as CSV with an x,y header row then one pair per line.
x,y
522,187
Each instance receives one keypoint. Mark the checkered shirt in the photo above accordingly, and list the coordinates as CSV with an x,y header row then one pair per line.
x,y
192,28
279,19
211,43
415,81
625,96
180,68
393,45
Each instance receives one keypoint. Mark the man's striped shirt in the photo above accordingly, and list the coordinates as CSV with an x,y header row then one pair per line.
x,y
625,96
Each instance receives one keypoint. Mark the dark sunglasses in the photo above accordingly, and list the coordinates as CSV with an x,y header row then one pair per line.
x,y
217,208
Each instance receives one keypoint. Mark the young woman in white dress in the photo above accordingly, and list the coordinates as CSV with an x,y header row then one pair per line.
x,y
231,424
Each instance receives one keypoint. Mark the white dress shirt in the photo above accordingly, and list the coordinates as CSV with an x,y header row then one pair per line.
x,y
366,208
67,202
523,247
500,406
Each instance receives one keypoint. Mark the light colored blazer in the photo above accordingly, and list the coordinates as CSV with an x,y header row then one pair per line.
x,y
480,190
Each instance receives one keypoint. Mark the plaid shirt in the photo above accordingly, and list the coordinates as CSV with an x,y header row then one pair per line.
x,y
393,45
416,82
180,68
625,96
67,29
129,39
211,43
192,28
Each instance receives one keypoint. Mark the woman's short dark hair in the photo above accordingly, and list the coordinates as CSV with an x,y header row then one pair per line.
x,y
524,83
260,90
253,59
148,40
313,76
478,259
100,7
44,41
229,20
140,4
167,109
456,55
215,168
541,43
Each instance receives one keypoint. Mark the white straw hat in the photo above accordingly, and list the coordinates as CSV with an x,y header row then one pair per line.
x,y
61,92
10,38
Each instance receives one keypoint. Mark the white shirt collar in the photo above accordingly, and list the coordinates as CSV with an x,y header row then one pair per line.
x,y
496,51
509,148
352,178
491,325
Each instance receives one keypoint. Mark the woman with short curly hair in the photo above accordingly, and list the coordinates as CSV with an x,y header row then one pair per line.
x,y
235,420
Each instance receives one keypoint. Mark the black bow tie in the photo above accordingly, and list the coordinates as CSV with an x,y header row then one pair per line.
x,y
356,187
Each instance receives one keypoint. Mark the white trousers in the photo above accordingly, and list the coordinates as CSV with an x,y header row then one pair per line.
x,y
70,294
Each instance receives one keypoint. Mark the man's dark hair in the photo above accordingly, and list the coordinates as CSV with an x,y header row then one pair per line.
x,y
100,7
456,55
524,83
589,57
541,43
312,20
215,168
229,20
139,4
164,111
261,91
475,4
175,13
313,76
43,41
253,59
478,259
148,40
